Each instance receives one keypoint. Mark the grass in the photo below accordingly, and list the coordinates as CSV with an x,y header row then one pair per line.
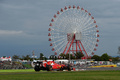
x,y
30,74
17,70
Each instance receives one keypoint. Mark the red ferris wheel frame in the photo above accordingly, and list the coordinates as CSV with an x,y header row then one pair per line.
x,y
78,47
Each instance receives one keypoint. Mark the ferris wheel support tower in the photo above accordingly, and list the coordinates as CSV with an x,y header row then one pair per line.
x,y
75,45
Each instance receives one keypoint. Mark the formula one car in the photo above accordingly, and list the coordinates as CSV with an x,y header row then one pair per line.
x,y
51,65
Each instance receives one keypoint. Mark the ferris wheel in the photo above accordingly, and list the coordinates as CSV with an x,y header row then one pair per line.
x,y
72,30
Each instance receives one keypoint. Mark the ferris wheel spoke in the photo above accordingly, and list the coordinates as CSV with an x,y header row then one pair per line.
x,y
88,47
58,37
86,19
62,46
87,22
62,49
82,20
58,44
89,34
89,40
91,23
58,40
90,50
88,28
56,33
57,30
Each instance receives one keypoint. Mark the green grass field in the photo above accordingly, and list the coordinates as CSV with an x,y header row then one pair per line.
x,y
30,74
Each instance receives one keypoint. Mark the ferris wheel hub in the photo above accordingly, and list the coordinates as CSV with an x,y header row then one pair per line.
x,y
77,36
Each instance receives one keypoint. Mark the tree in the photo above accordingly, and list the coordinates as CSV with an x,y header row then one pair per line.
x,y
66,56
41,56
96,57
53,57
105,57
79,55
115,58
71,56
15,57
27,57
62,56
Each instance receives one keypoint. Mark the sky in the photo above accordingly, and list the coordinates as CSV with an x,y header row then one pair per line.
x,y
24,25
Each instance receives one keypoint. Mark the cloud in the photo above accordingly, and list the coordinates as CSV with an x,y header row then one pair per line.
x,y
9,32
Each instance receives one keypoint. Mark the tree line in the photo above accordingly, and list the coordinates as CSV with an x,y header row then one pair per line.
x,y
78,55
105,57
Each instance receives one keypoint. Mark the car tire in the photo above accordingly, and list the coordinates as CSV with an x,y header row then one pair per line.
x,y
61,69
49,68
36,68
69,68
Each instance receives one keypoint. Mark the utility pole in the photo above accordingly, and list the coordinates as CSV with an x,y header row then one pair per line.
x,y
33,55
119,51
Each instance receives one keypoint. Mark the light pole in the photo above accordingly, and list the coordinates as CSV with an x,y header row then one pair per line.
x,y
119,50
33,55
43,57
69,56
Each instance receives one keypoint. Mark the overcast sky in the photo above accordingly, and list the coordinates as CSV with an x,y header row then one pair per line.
x,y
24,25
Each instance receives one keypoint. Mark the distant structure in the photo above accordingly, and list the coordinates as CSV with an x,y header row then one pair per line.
x,y
119,50
33,55
5,59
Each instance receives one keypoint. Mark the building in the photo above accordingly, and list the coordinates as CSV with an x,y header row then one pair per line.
x,y
5,59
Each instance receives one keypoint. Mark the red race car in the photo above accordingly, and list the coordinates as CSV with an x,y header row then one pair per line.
x,y
51,65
